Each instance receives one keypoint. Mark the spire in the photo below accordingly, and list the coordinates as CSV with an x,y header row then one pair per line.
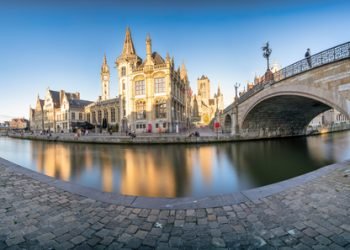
x,y
128,48
104,67
149,60
148,45
183,71
167,58
219,89
105,60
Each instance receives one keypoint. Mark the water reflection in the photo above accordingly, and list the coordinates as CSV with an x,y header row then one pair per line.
x,y
178,170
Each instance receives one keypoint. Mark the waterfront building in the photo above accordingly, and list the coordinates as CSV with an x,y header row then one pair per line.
x,y
204,107
105,112
58,111
19,123
71,113
154,96
36,116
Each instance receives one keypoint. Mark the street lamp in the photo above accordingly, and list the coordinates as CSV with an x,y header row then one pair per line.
x,y
237,85
266,53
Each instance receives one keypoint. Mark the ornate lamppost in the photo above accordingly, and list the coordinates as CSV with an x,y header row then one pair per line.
x,y
266,53
237,85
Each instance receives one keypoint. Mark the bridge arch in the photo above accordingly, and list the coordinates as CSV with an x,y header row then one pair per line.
x,y
288,112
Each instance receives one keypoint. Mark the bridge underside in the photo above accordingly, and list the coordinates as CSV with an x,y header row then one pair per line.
x,y
287,114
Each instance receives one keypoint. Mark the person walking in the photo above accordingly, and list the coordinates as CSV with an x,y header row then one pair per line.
x,y
308,57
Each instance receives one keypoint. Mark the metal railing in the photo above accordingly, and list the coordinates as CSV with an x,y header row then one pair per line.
x,y
331,55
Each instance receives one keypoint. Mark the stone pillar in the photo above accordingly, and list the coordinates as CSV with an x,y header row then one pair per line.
x,y
235,124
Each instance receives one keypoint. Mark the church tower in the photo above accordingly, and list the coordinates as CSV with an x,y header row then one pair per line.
x,y
125,63
105,79
203,86
220,99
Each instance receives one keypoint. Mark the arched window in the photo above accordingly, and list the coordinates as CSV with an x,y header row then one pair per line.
x,y
99,116
140,110
93,114
105,114
160,109
112,114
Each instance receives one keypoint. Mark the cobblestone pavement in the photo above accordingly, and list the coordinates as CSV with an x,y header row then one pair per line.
x,y
314,215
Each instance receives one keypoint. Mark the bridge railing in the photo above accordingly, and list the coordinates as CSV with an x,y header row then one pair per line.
x,y
334,54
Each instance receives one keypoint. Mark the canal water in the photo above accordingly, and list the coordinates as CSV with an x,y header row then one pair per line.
x,y
178,170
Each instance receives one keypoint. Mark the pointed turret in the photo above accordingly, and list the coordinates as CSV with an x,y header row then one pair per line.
x,y
149,60
128,48
105,59
183,72
105,77
219,92
104,67
129,52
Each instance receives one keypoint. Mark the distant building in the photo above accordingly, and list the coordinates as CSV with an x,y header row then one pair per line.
x,y
105,111
204,108
327,118
19,123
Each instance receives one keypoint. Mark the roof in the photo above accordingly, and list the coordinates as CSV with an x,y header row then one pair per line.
x,y
71,96
204,104
156,58
55,97
78,103
19,120
203,77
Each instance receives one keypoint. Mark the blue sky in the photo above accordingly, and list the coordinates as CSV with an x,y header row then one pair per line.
x,y
60,44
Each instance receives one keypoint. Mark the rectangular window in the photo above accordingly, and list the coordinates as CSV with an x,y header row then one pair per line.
x,y
88,117
164,125
80,116
112,114
140,88
123,71
99,116
93,117
157,125
140,110
73,116
159,85
161,110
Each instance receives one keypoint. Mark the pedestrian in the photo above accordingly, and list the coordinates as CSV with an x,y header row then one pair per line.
x,y
308,57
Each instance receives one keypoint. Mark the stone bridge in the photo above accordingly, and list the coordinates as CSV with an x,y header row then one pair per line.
x,y
285,102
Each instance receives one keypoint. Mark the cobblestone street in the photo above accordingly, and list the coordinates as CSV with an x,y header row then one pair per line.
x,y
313,215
